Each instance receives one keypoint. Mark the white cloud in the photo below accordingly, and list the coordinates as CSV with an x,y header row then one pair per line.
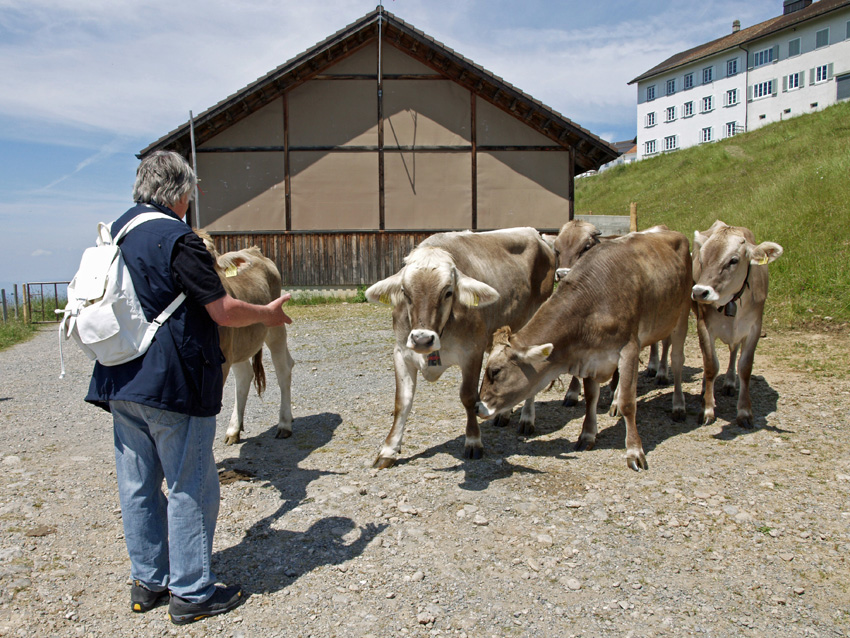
x,y
40,253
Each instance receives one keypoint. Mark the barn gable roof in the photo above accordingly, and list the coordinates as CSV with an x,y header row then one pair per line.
x,y
590,151
744,36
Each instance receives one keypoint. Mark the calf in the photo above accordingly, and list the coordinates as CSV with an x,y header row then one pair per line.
x,y
731,280
249,276
453,292
634,291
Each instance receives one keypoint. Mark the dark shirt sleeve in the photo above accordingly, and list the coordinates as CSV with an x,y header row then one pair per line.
x,y
192,270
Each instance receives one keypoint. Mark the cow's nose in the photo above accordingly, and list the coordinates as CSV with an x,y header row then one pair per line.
x,y
482,410
422,337
560,273
700,293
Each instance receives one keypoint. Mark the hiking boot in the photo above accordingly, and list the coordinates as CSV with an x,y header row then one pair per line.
x,y
143,599
224,599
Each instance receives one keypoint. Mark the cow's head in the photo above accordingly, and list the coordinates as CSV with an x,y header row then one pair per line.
x,y
514,372
428,287
723,256
574,240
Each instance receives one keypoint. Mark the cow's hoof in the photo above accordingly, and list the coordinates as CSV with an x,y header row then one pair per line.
x,y
584,444
706,417
662,380
651,372
501,420
525,428
383,463
231,439
474,453
678,414
745,421
283,433
729,390
570,401
637,462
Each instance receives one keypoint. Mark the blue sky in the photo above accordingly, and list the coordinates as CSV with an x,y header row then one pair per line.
x,y
86,85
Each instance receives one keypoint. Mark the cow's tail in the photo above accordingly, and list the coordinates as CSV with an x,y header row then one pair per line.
x,y
259,372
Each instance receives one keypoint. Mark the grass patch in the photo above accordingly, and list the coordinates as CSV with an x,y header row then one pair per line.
x,y
787,182
15,331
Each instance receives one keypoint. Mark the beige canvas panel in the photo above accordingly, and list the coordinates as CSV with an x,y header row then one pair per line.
x,y
523,188
334,191
497,128
399,62
428,191
241,191
364,61
426,113
334,113
263,127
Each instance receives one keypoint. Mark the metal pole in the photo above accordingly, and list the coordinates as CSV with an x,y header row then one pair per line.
x,y
3,295
194,167
16,301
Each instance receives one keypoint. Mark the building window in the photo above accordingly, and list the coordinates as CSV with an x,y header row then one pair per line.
x,y
731,97
821,73
793,81
707,75
670,114
731,129
705,134
688,82
650,147
794,48
707,104
822,38
671,87
650,118
687,109
732,67
670,143
650,93
763,89
765,56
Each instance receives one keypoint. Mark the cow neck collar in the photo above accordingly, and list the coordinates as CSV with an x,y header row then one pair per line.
x,y
731,308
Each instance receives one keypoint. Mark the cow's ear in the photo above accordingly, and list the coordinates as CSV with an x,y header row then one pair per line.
x,y
699,239
537,354
387,291
764,253
472,292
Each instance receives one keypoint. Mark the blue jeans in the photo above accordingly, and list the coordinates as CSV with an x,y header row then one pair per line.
x,y
169,540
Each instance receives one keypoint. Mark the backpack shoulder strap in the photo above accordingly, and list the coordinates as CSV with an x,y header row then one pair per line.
x,y
137,221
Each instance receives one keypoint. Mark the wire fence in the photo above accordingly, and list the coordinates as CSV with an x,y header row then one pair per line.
x,y
34,302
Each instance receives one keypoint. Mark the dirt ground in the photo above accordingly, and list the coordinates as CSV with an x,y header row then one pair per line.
x,y
730,532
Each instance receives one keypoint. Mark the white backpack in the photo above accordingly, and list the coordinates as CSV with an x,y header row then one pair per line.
x,y
103,313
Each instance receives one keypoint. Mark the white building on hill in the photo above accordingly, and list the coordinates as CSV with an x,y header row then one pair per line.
x,y
796,63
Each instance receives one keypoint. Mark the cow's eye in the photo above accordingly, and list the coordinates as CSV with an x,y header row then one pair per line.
x,y
733,261
406,296
447,292
493,373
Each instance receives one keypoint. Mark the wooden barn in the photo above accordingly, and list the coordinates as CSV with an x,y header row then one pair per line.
x,y
340,161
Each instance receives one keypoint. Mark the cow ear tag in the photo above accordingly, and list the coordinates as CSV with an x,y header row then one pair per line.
x,y
764,260
231,271
475,299
385,299
547,351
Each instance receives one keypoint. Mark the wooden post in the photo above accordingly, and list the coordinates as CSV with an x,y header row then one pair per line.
x,y
26,306
3,296
633,217
16,302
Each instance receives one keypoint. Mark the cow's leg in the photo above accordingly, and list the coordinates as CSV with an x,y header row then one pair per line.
x,y
613,409
471,371
652,366
587,439
526,417
243,374
276,340
627,404
745,370
729,379
710,365
405,389
676,344
662,377
571,397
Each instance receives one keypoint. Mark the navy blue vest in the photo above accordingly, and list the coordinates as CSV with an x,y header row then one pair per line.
x,y
181,371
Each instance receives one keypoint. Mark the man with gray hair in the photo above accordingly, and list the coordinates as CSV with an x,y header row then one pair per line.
x,y
164,403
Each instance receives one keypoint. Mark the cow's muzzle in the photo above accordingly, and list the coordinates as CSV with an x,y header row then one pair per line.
x,y
704,294
423,341
560,273
483,411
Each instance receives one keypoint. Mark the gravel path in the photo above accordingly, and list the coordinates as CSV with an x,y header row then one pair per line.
x,y
729,533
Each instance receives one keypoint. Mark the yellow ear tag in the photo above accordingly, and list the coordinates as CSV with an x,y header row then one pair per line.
x,y
764,260
547,351
231,271
385,299
475,299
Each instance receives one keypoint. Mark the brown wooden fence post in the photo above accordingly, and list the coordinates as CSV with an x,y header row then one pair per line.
x,y
633,217
26,307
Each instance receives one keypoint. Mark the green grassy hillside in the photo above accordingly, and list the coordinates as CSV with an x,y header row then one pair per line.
x,y
789,182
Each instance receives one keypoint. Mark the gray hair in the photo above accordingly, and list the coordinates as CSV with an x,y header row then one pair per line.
x,y
163,177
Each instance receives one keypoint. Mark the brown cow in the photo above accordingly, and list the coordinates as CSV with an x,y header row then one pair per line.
x,y
573,241
731,281
249,276
453,292
634,291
